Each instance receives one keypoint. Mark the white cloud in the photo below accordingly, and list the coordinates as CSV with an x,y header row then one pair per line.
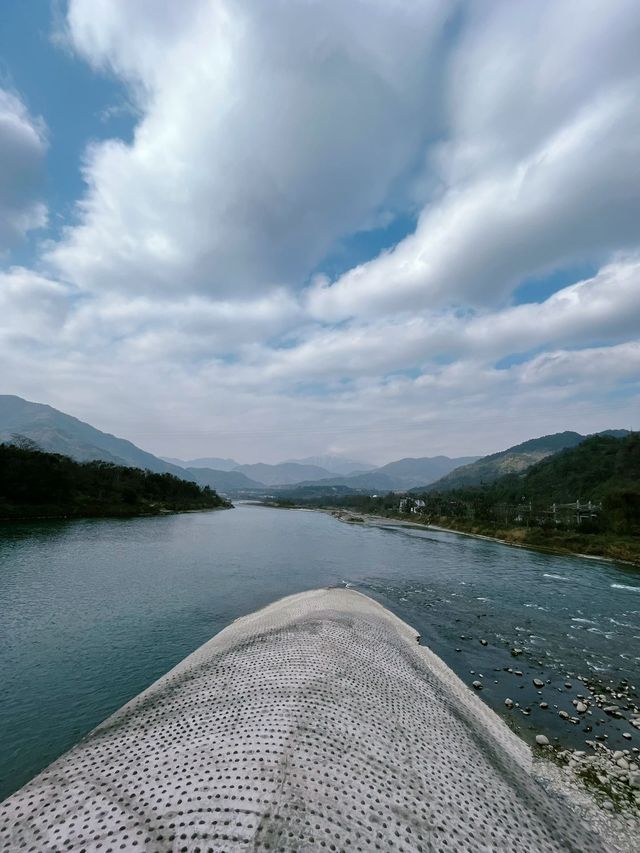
x,y
175,309
577,197
269,131
23,145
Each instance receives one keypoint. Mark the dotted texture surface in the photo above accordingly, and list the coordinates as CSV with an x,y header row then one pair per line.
x,y
318,723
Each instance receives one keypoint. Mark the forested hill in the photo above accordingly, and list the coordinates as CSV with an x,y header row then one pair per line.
x,y
513,460
597,468
38,484
602,469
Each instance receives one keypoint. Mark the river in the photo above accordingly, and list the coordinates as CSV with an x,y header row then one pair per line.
x,y
91,612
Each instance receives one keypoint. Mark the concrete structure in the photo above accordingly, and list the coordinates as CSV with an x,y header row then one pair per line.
x,y
318,723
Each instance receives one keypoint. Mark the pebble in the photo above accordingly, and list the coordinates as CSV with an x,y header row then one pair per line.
x,y
563,715
544,705
508,703
538,683
484,642
542,740
477,685
581,708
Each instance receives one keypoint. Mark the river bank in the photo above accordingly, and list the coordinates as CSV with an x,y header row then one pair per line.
x,y
593,546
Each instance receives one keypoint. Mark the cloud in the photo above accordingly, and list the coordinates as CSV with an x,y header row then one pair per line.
x,y
268,133
23,146
185,305
32,307
602,308
576,197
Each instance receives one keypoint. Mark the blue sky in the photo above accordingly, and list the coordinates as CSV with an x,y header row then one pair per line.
x,y
365,229
77,105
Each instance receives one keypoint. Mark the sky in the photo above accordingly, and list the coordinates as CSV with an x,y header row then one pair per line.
x,y
371,228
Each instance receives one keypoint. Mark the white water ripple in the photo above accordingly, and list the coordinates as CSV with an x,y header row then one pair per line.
x,y
625,586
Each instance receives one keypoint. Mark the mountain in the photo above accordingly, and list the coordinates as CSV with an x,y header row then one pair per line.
x,y
214,462
335,464
284,474
371,481
55,432
409,472
401,475
599,466
223,481
514,460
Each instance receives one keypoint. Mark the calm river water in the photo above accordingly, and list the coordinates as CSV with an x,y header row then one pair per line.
x,y
91,612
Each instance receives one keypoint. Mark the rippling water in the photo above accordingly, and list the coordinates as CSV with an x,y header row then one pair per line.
x,y
92,612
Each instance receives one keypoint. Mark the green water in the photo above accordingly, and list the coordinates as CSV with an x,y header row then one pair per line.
x,y
92,612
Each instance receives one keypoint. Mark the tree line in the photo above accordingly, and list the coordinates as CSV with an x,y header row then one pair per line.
x,y
35,483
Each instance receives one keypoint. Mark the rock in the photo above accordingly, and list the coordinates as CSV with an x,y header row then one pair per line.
x,y
544,705
563,715
508,703
581,708
484,642
542,740
618,754
538,683
626,735
517,672
611,709
622,763
477,685
634,780
516,652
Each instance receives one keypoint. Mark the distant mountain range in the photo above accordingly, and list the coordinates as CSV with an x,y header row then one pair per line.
x,y
214,462
514,460
225,482
57,432
401,475
335,465
283,474
317,466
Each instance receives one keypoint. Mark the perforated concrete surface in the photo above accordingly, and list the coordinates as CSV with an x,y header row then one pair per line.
x,y
318,723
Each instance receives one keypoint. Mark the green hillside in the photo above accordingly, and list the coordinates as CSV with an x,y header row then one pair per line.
x,y
596,469
514,460
38,484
